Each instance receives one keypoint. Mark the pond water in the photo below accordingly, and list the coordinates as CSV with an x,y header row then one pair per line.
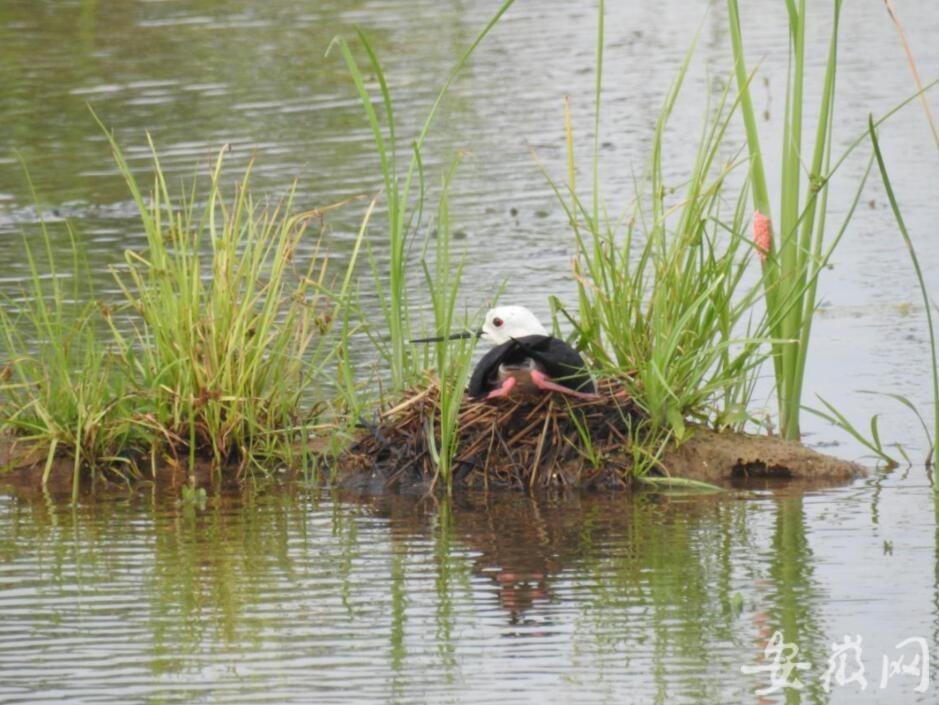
x,y
296,596
293,595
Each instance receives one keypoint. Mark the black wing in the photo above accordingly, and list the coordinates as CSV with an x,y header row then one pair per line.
x,y
486,372
559,360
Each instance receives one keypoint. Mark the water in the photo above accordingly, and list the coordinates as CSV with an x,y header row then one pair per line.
x,y
291,595
297,596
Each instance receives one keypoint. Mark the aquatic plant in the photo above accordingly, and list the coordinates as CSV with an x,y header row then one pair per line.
x,y
794,253
663,302
453,357
911,62
352,397
872,442
231,328
927,304
61,390
404,191
226,321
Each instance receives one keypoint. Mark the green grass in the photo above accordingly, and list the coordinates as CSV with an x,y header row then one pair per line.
x,y
404,192
220,336
797,253
664,299
60,385
405,195
663,302
928,305
873,442
230,329
452,358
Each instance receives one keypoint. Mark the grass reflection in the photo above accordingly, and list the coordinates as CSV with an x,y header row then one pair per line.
x,y
671,594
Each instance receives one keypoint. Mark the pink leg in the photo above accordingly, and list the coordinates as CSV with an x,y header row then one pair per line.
x,y
507,384
542,381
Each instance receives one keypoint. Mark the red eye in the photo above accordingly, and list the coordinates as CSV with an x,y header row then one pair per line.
x,y
497,322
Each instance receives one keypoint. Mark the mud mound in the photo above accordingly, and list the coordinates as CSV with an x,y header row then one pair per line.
x,y
742,459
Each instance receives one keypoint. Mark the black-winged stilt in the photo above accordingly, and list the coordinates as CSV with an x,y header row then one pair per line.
x,y
525,358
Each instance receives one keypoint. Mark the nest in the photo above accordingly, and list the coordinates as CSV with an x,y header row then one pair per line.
x,y
548,441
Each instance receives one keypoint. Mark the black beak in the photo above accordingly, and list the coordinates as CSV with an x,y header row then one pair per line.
x,y
454,336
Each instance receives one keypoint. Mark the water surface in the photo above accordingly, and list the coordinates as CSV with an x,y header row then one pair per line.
x,y
299,596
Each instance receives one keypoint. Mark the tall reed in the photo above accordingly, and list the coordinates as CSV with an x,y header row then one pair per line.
x,y
795,243
453,358
928,305
404,190
663,302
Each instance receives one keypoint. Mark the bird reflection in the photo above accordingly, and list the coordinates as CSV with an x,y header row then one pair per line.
x,y
521,544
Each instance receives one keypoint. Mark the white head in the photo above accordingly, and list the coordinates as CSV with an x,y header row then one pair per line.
x,y
505,322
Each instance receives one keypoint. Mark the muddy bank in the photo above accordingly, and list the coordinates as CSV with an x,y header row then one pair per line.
x,y
725,459
736,458
22,467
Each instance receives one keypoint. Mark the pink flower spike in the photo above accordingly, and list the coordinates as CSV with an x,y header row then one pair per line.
x,y
762,235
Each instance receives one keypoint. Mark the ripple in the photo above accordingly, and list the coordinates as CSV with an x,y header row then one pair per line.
x,y
286,596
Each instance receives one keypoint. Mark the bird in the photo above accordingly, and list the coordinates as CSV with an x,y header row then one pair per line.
x,y
524,359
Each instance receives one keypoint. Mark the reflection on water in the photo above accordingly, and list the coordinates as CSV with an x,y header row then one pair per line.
x,y
293,595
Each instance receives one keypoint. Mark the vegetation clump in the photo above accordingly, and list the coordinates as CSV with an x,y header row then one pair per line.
x,y
227,318
207,354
